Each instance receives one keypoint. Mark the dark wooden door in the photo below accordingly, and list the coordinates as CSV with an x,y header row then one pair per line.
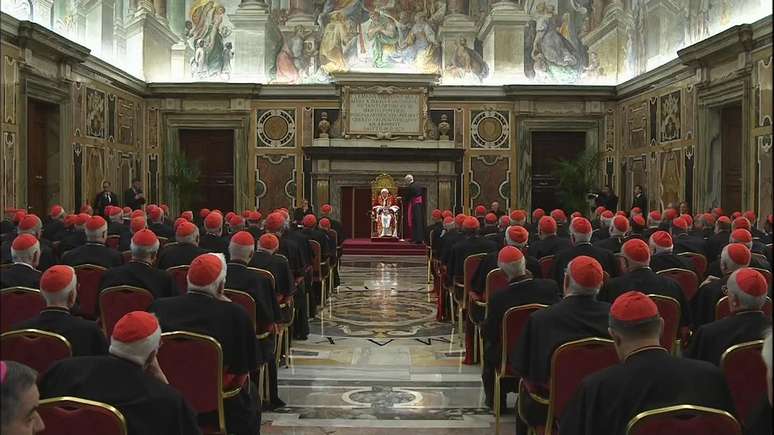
x,y
214,152
355,211
38,114
731,158
547,147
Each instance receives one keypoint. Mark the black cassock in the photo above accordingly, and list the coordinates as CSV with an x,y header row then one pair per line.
x,y
414,205
180,254
605,258
711,340
704,302
149,406
138,274
471,245
93,253
84,336
230,324
20,275
279,267
489,263
759,420
606,401
668,260
646,281
551,245
213,243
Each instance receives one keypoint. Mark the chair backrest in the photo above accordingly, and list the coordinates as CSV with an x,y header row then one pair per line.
x,y
115,302
687,279
162,241
245,300
75,416
699,263
496,280
266,274
766,273
745,374
684,420
34,348
570,364
113,241
469,270
89,277
669,309
547,265
723,308
180,276
514,321
18,304
199,379
316,259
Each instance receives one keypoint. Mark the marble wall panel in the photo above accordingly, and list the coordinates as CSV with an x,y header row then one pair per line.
x,y
671,173
763,92
670,124
490,129
637,125
275,181
276,128
490,180
765,186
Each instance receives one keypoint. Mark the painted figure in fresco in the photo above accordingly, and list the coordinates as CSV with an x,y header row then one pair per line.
x,y
228,54
467,62
383,34
552,53
337,41
198,68
422,45
208,25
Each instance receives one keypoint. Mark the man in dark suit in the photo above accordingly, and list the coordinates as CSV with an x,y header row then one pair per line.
x,y
213,239
31,224
94,251
157,224
517,237
579,315
648,376
58,288
139,272
134,197
718,240
206,310
618,230
580,236
747,290
662,255
640,200
25,254
640,277
185,250
683,241
522,290
104,199
549,243
54,228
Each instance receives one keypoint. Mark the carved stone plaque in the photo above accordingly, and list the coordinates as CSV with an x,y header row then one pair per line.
x,y
384,112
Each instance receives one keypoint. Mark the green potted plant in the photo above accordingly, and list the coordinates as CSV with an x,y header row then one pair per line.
x,y
184,178
576,178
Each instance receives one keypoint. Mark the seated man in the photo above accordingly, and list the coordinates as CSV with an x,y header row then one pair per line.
x,y
311,231
472,244
116,226
19,407
647,378
267,311
213,240
683,241
157,225
54,228
522,290
662,255
744,237
516,236
205,310
186,249
58,287
580,236
618,230
719,239
267,258
25,254
640,277
733,257
136,223
129,379
94,251
385,208
139,271
549,243
579,315
605,222
31,224
747,290
75,235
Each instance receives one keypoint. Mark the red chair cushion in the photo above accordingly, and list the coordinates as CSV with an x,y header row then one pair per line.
x,y
571,365
670,312
37,352
745,374
88,291
115,304
18,306
75,419
180,276
195,378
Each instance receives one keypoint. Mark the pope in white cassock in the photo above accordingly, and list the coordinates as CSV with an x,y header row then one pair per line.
x,y
385,209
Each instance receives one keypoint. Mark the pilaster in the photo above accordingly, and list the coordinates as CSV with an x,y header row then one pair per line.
x,y
251,23
149,44
503,36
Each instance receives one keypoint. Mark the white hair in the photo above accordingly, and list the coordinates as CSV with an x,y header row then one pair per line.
x,y
98,235
746,301
514,269
144,252
579,237
384,190
61,297
656,249
213,287
727,264
26,256
239,252
573,288
138,351
191,239
409,178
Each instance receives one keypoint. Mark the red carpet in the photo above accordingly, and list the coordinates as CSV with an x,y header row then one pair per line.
x,y
367,247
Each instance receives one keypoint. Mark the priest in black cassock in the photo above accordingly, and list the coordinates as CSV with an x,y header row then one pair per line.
x,y
94,251
746,292
648,377
129,378
185,250
733,257
267,258
58,288
414,204
516,236
206,310
25,254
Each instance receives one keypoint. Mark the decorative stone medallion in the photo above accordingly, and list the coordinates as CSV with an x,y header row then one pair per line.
x,y
276,128
490,129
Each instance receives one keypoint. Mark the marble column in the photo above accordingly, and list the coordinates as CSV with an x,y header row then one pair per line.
x,y
41,12
300,15
149,44
251,41
502,34
95,26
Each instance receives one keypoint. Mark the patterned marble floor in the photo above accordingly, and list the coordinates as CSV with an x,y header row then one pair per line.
x,y
377,362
